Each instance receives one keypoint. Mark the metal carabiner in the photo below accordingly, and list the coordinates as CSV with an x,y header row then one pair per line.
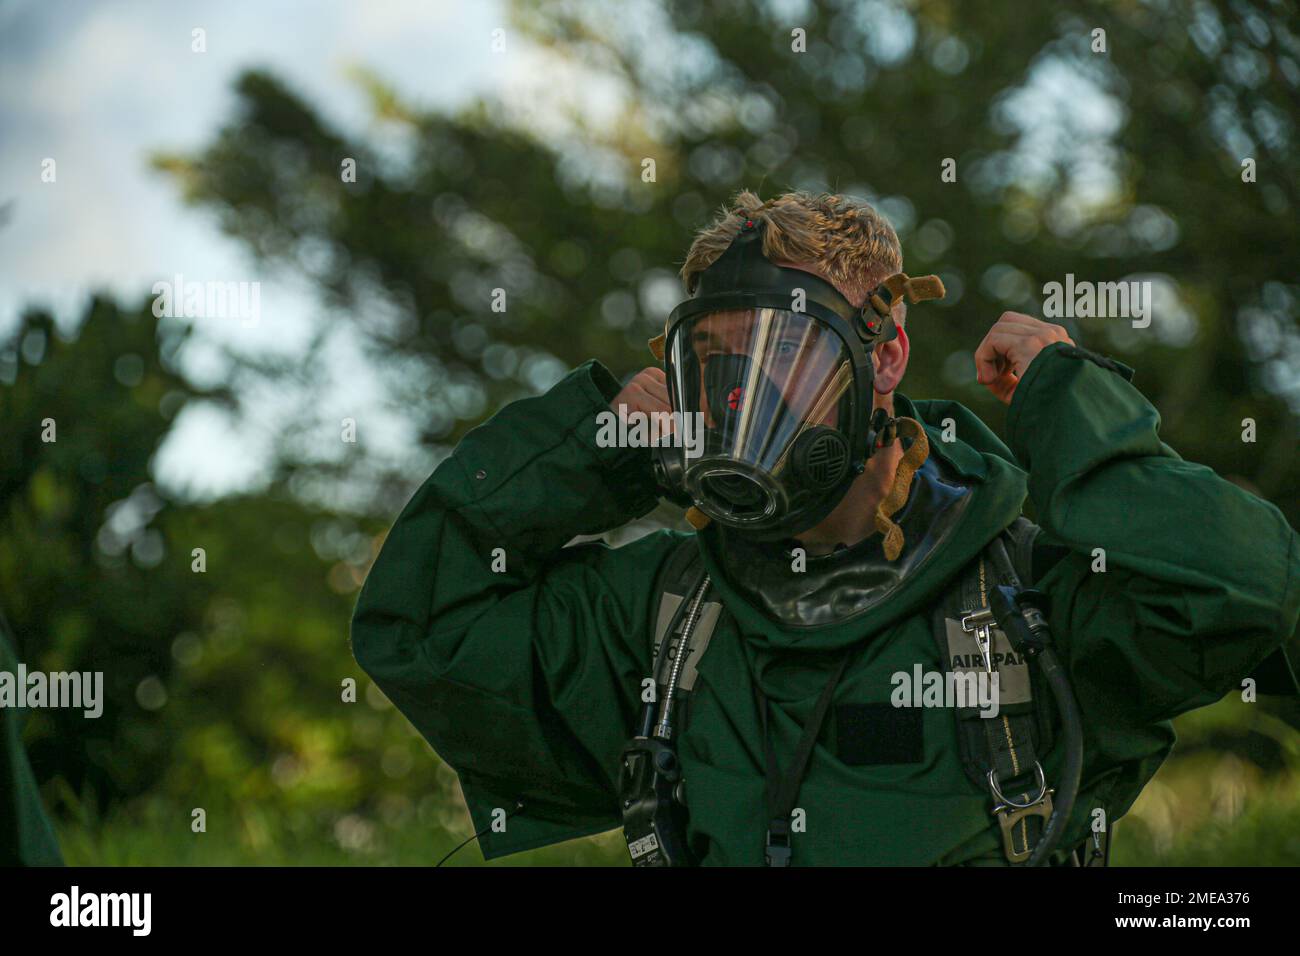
x,y
980,623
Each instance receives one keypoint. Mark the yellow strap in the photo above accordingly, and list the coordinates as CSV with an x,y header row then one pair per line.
x,y
696,518
657,346
919,289
913,459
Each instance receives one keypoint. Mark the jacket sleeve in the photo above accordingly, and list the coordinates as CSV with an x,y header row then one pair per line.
x,y
1201,579
517,658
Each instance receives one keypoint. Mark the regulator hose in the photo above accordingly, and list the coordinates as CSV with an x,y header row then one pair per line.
x,y
1072,768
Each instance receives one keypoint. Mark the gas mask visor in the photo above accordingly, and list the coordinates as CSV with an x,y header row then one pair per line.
x,y
766,398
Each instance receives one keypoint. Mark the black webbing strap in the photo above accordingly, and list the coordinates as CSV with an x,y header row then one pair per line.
x,y
1009,743
1008,739
783,789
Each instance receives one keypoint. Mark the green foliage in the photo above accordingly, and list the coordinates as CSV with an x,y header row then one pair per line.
x,y
225,687
85,578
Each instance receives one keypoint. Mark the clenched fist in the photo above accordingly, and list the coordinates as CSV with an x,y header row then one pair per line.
x,y
647,392
1008,349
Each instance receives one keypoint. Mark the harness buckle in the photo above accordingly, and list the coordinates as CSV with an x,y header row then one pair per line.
x,y
1019,850
1011,812
778,851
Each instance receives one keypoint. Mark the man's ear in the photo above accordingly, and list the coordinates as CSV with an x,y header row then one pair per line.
x,y
890,360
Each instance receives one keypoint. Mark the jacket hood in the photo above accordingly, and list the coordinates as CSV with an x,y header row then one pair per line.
x,y
993,489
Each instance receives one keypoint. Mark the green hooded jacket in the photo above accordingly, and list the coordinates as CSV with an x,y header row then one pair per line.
x,y
527,679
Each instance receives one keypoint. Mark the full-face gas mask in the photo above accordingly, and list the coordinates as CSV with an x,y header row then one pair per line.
x,y
770,370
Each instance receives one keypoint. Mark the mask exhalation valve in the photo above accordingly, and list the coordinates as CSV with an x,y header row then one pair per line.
x,y
820,457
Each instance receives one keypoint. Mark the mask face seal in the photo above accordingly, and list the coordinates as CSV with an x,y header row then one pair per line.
x,y
771,391
776,366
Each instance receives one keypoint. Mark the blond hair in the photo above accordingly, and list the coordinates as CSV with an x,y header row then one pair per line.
x,y
841,238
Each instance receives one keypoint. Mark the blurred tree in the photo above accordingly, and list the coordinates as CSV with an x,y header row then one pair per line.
x,y
222,689
87,579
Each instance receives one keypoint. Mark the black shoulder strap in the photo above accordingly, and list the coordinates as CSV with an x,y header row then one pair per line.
x,y
1008,745
1020,538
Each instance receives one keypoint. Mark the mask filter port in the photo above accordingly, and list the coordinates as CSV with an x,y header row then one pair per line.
x,y
820,457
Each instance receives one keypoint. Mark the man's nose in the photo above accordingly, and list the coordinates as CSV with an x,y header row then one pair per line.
x,y
735,340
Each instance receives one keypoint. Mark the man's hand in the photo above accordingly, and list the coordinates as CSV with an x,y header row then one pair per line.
x,y
1008,349
647,392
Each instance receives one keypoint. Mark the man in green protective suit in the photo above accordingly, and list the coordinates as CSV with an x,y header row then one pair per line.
x,y
837,522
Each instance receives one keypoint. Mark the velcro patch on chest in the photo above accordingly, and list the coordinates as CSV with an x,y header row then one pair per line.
x,y
1013,671
871,734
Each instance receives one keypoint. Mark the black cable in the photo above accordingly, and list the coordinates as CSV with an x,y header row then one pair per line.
x,y
519,805
1072,771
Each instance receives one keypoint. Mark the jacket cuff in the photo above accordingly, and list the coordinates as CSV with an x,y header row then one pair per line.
x,y
1096,358
1074,409
632,465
